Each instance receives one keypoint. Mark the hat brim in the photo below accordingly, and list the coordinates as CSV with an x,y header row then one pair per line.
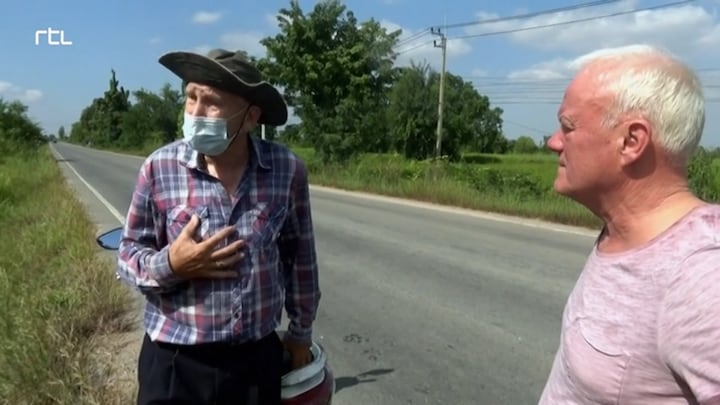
x,y
192,67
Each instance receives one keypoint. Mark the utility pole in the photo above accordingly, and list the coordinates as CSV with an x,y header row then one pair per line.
x,y
262,131
441,97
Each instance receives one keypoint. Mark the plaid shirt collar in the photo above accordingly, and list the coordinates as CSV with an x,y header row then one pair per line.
x,y
190,158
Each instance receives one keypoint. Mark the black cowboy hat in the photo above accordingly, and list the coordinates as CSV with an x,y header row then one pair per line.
x,y
231,72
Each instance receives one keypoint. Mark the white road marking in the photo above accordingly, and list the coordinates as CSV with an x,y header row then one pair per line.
x,y
92,189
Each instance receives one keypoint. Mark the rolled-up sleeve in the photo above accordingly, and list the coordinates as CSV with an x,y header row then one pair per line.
x,y
143,254
301,270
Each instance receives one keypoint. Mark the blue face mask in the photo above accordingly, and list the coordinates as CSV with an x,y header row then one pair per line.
x,y
207,135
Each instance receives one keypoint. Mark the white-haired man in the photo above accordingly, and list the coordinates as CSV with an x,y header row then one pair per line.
x,y
642,325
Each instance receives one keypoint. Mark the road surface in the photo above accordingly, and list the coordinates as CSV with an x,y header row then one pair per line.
x,y
420,306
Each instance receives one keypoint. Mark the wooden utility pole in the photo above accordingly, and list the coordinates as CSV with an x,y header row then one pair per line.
x,y
441,96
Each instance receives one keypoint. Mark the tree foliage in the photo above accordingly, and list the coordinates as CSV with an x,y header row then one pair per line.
x,y
340,77
18,132
114,120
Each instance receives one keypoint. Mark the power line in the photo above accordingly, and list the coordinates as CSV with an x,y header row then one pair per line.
x,y
579,20
426,31
413,37
429,30
501,79
536,13
414,47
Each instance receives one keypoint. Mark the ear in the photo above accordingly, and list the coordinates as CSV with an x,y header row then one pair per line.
x,y
253,115
636,141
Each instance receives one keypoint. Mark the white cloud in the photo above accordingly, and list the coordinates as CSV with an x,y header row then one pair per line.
x,y
155,40
479,73
689,32
545,82
420,47
558,68
246,41
10,91
690,28
201,49
206,17
234,41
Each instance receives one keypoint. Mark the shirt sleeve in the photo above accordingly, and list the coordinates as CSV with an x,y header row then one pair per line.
x,y
300,268
689,324
143,260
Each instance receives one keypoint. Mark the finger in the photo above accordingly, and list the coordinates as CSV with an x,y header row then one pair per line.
x,y
229,261
227,251
210,242
189,230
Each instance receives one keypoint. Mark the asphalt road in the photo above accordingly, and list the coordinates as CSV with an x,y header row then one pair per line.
x,y
420,306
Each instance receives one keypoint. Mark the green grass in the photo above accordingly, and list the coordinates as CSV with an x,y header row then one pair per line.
x,y
510,184
58,295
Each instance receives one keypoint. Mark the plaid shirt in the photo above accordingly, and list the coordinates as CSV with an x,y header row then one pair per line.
x,y
271,211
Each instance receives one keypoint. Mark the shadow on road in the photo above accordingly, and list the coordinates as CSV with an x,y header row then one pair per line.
x,y
366,377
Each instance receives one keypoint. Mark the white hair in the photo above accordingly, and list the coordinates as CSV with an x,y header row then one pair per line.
x,y
650,81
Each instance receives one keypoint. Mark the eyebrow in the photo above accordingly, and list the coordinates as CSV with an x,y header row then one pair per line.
x,y
208,95
566,121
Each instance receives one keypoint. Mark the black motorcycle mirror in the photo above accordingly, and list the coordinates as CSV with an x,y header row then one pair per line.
x,y
110,240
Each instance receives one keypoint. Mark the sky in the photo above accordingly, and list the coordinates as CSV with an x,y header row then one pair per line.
x,y
522,64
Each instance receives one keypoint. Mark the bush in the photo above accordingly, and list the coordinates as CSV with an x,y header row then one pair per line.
x,y
704,176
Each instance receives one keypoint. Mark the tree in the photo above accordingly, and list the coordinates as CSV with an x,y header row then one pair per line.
x,y
469,121
525,144
336,73
411,117
113,120
100,122
152,119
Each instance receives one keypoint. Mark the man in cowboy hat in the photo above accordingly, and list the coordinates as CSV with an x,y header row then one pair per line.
x,y
218,237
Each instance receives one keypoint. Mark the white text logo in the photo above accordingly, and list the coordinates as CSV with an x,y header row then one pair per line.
x,y
52,37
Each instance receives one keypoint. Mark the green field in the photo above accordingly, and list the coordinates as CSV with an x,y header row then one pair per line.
x,y
58,295
510,184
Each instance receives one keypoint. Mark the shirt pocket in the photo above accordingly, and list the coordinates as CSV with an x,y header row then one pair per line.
x,y
268,223
179,217
596,359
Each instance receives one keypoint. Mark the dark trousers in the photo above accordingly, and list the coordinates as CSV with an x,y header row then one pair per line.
x,y
215,373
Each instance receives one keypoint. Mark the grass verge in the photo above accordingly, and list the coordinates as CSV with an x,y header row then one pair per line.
x,y
59,295
519,185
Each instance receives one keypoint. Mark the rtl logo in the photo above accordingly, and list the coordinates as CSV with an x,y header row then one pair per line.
x,y
51,35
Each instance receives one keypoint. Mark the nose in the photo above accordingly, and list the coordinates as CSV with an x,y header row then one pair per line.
x,y
195,110
555,143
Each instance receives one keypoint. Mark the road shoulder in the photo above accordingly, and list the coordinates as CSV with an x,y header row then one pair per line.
x,y
117,351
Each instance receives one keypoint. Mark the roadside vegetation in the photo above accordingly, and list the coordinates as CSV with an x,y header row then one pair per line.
x,y
368,124
58,296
